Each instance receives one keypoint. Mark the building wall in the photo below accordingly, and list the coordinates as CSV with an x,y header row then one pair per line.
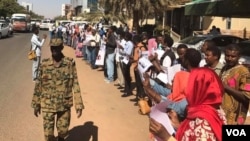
x,y
65,9
84,5
239,26
92,5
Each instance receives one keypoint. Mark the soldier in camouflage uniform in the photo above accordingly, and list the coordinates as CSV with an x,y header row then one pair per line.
x,y
55,88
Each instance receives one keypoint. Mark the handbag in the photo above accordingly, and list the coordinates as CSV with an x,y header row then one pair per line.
x,y
100,58
79,45
32,54
144,106
93,43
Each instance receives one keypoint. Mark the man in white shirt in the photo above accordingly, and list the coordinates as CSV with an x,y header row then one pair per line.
x,y
118,58
95,40
36,45
51,29
127,52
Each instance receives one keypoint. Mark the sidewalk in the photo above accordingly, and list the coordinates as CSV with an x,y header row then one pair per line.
x,y
111,116
115,117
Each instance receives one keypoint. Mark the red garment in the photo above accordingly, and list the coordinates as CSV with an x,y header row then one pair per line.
x,y
204,95
179,86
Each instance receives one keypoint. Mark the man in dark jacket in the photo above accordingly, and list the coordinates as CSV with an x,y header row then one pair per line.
x,y
110,54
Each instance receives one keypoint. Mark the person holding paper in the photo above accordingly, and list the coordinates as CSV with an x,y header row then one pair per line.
x,y
177,98
110,54
126,54
165,61
118,59
204,95
135,75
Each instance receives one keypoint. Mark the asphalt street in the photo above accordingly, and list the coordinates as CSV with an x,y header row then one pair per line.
x,y
106,117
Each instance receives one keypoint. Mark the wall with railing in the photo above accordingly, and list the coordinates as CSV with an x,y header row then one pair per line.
x,y
240,33
176,37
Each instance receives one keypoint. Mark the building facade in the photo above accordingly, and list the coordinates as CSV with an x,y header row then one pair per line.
x,y
66,8
198,17
84,6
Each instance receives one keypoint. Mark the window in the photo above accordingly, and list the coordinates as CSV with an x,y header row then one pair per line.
x,y
228,22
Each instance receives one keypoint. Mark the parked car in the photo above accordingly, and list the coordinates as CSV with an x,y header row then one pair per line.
x,y
4,30
198,40
9,25
36,22
45,24
64,22
245,53
221,41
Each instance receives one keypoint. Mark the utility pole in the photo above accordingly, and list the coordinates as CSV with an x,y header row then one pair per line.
x,y
163,21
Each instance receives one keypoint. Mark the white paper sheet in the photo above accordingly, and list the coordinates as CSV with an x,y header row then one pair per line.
x,y
159,53
163,77
125,60
158,113
172,71
144,64
144,54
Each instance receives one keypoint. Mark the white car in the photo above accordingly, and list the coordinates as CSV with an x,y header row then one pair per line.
x,y
36,22
245,53
197,41
4,30
221,41
45,24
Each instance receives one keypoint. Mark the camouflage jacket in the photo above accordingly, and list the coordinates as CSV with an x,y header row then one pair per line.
x,y
57,86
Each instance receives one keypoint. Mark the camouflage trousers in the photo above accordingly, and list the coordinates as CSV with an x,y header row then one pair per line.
x,y
62,120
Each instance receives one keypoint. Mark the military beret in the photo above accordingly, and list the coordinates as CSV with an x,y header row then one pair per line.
x,y
56,42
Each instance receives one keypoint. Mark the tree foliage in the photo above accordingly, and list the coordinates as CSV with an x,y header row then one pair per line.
x,y
139,10
8,7
60,18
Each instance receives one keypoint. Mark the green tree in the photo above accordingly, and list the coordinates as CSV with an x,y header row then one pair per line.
x,y
8,7
138,10
35,16
60,18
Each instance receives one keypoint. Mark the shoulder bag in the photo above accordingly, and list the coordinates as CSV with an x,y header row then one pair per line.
x,y
144,107
32,53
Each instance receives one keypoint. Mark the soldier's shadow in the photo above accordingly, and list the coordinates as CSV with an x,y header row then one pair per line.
x,y
86,132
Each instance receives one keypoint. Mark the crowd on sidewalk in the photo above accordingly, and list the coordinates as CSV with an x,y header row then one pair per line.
x,y
199,93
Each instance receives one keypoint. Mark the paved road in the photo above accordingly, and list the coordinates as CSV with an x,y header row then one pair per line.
x,y
107,116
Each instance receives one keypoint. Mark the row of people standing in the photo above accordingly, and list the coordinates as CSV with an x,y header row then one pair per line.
x,y
228,83
231,81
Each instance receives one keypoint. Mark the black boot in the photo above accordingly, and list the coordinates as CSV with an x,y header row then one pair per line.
x,y
60,139
126,94
134,99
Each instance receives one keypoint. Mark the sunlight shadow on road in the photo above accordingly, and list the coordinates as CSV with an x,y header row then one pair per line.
x,y
84,132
